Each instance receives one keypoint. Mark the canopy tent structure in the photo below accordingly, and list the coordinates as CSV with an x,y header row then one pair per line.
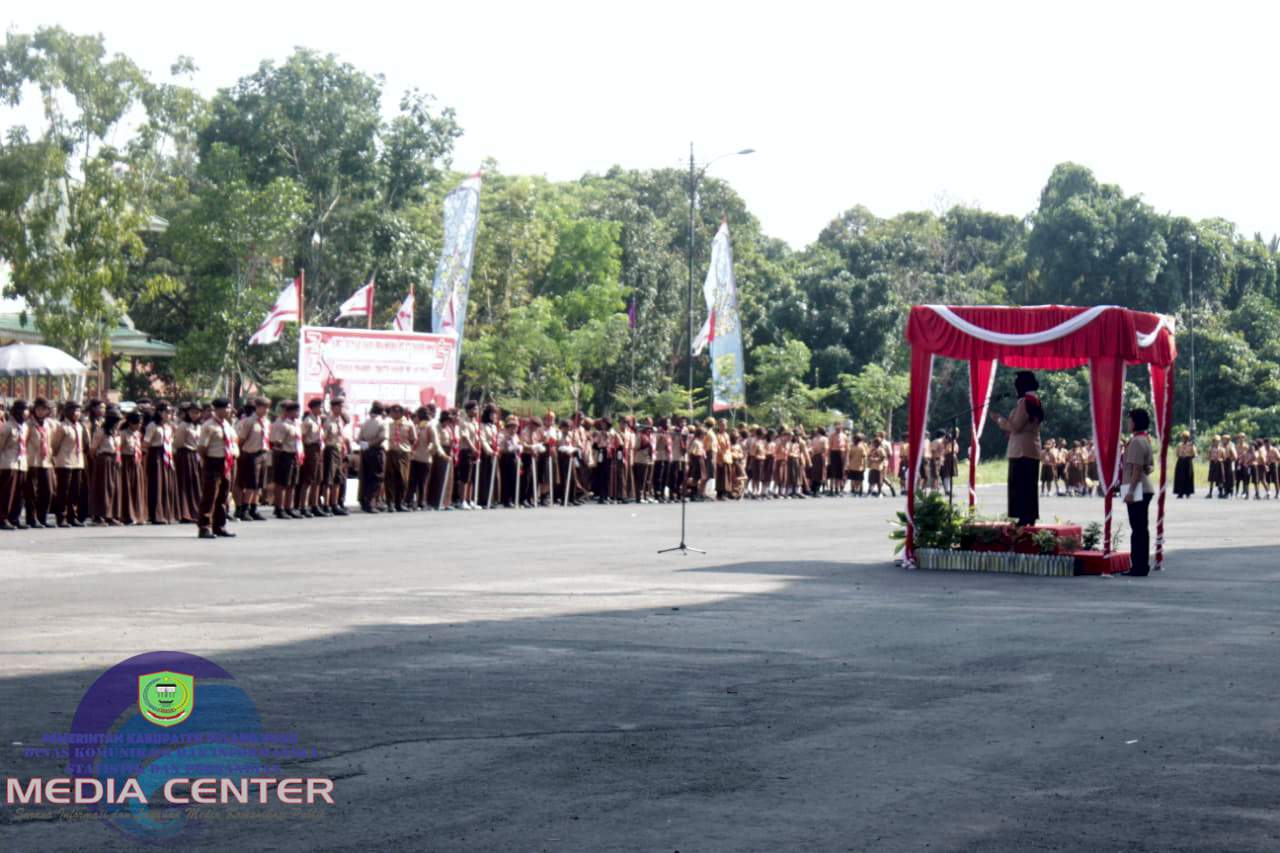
x,y
37,360
1104,338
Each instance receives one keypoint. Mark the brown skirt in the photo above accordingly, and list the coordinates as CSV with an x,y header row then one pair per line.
x,y
11,481
104,495
189,484
133,492
162,488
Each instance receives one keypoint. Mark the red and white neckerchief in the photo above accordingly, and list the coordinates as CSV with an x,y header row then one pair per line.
x,y
228,440
43,432
298,452
117,444
455,446
166,435
22,442
137,449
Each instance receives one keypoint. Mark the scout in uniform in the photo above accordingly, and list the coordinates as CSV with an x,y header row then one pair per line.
x,y
839,459
218,446
566,451
1047,469
1244,464
39,481
186,435
1259,474
401,436
104,451
488,440
857,463
285,437
444,461
337,445
162,475
70,444
133,475
1184,478
311,477
1215,466
875,466
1137,491
509,449
1272,465
468,456
818,448
529,441
420,458
251,432
642,467
373,457
1228,468
13,466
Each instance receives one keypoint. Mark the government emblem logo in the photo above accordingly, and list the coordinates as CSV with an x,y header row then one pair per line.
x,y
166,698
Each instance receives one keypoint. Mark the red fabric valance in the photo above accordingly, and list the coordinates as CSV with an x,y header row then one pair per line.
x,y
1110,335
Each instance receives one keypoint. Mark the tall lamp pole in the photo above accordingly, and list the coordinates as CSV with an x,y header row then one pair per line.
x,y
1191,326
695,175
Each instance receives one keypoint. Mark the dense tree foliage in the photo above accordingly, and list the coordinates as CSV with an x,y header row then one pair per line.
x,y
311,164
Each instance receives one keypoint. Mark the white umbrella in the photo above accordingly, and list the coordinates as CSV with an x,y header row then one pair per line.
x,y
38,360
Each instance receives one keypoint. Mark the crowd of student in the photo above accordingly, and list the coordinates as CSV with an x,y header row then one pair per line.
x,y
204,464
1235,464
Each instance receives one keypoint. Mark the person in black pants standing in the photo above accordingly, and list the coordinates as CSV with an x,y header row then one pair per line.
x,y
1023,426
1137,491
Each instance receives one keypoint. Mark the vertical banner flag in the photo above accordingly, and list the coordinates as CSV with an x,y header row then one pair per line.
x,y
722,330
284,311
453,274
404,317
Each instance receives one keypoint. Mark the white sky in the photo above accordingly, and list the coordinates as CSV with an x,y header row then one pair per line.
x,y
895,106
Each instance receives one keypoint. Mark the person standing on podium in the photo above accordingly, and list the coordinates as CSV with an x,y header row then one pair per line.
x,y
1023,427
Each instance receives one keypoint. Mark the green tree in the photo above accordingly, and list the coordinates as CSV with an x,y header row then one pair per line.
x,y
72,205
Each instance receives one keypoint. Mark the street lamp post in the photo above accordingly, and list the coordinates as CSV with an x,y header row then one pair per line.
x,y
695,175
1191,326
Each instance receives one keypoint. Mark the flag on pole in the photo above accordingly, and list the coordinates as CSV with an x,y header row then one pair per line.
x,y
286,310
631,315
706,334
452,282
404,317
360,304
722,331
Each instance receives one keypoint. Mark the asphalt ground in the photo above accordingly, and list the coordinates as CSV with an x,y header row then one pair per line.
x,y
544,680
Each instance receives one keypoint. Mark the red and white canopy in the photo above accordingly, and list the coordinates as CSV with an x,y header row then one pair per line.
x,y
1046,337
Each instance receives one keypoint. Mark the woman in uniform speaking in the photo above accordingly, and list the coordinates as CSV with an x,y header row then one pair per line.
x,y
1023,426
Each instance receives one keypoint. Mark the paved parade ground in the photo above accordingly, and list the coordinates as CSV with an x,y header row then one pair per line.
x,y
543,680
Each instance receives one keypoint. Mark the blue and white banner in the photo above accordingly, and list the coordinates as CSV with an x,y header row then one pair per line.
x,y
722,330
452,283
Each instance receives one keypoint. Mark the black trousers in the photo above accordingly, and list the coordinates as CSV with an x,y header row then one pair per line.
x,y
66,506
1024,490
373,467
213,495
1139,536
39,488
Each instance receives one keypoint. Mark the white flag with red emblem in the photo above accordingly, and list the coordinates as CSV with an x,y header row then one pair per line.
x,y
284,311
404,317
360,304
